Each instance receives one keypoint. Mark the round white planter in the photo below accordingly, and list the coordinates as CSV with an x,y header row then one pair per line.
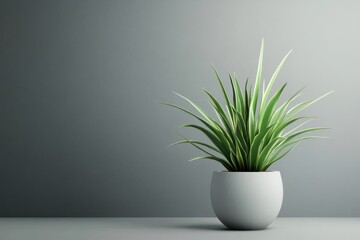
x,y
246,200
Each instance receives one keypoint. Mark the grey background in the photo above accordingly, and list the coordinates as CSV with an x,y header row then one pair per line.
x,y
80,134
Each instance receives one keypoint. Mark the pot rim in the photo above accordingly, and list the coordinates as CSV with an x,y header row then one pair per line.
x,y
227,172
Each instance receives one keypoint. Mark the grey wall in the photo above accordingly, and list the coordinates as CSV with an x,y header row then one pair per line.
x,y
80,134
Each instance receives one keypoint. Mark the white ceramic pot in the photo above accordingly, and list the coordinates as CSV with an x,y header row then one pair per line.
x,y
246,200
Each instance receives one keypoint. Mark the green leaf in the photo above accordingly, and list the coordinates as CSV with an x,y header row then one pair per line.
x,y
258,78
255,148
301,106
221,113
268,112
222,87
207,117
272,80
220,160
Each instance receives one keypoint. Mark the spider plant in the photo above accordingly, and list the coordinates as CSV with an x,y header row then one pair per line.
x,y
251,132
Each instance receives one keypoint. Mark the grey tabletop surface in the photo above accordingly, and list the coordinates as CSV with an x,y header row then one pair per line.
x,y
173,228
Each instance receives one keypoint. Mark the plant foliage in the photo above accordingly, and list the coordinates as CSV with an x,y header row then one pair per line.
x,y
249,134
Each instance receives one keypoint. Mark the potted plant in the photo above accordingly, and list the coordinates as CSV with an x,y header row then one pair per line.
x,y
251,134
